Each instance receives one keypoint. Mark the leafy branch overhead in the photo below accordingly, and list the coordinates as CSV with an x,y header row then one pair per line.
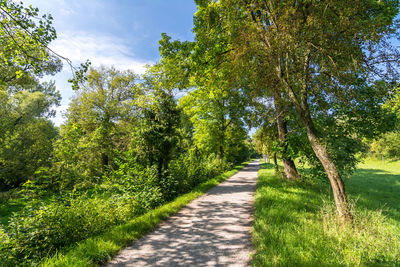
x,y
25,41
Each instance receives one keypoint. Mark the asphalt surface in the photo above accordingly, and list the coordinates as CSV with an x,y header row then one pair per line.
x,y
212,230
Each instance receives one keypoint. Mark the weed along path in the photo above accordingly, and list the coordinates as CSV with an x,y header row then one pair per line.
x,y
212,230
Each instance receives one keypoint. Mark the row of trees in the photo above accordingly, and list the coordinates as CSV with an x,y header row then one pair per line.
x,y
115,116
314,75
323,70
129,143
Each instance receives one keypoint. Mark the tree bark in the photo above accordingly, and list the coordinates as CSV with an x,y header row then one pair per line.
x,y
288,164
337,184
303,110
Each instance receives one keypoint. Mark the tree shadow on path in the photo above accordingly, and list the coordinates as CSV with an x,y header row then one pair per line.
x,y
213,230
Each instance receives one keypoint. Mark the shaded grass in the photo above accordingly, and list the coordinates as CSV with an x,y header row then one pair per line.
x,y
9,207
98,249
377,186
295,223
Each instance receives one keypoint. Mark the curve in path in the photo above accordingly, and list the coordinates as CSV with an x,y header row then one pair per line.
x,y
212,230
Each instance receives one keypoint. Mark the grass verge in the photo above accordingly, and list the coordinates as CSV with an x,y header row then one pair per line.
x,y
97,250
295,223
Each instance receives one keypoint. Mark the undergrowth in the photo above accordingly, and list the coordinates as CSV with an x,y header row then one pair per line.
x,y
97,249
45,224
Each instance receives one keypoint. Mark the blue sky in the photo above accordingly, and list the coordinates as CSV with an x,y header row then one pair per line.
x,y
122,33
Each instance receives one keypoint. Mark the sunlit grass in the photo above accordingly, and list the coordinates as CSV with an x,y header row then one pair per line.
x,y
295,223
377,186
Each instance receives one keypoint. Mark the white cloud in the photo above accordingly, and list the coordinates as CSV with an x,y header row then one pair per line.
x,y
99,49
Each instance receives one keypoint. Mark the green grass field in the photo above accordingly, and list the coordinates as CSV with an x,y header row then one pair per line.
x,y
377,186
295,224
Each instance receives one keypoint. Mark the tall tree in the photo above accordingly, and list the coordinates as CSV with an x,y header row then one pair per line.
x,y
329,43
157,133
214,112
242,58
91,132
27,134
214,100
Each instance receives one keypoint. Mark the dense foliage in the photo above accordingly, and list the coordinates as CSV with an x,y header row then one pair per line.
x,y
128,143
125,148
327,75
321,94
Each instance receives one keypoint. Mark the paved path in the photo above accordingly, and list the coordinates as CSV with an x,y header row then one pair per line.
x,y
213,230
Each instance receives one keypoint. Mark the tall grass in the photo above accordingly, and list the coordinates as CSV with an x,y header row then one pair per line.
x,y
295,223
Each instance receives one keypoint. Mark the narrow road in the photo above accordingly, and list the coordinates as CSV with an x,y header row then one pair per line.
x,y
213,230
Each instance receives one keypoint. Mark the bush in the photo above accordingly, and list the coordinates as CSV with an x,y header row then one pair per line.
x,y
129,190
189,170
388,145
146,199
129,177
41,229
5,248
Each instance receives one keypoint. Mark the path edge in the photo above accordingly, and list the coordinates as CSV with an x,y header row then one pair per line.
x,y
97,250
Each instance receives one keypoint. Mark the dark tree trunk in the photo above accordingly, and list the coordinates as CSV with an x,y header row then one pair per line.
x,y
288,164
290,169
221,152
159,168
104,161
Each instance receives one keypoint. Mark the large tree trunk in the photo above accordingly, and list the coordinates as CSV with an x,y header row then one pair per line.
x,y
337,184
303,110
288,164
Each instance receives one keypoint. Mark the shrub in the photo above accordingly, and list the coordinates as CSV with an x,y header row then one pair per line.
x,y
190,170
43,228
5,248
129,190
